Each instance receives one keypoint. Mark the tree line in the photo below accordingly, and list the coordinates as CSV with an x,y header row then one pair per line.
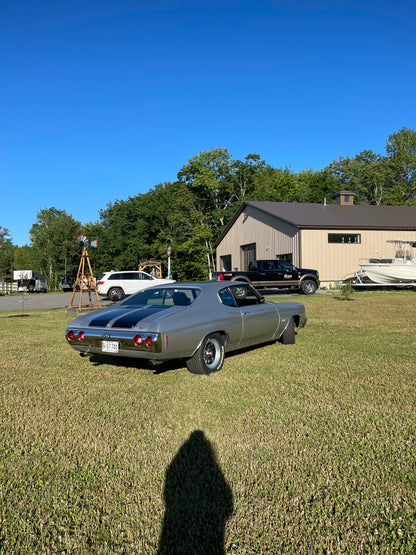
x,y
190,213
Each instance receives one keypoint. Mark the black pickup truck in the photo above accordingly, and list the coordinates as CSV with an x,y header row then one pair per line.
x,y
274,273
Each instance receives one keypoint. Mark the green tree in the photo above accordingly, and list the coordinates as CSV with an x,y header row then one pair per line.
x,y
243,180
6,254
274,185
316,186
25,258
124,235
207,178
367,174
216,184
52,237
401,159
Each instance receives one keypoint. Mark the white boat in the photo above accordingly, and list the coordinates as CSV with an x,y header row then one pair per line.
x,y
399,269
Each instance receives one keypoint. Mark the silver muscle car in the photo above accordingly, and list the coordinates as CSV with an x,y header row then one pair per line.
x,y
198,322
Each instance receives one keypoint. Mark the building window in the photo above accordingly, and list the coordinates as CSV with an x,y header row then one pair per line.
x,y
226,263
346,238
287,257
248,254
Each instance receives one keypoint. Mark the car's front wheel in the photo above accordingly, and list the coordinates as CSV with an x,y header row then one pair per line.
x,y
116,294
209,357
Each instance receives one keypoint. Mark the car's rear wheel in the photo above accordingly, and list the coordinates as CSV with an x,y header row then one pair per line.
x,y
308,287
209,357
116,294
288,337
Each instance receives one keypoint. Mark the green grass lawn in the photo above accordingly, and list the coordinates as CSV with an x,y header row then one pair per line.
x,y
306,448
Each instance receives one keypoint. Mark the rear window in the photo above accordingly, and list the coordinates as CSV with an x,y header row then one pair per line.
x,y
163,296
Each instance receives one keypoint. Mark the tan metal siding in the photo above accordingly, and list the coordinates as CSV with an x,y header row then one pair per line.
x,y
273,237
336,261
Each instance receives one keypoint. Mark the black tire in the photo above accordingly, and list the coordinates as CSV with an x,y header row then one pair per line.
x,y
288,337
209,357
308,287
116,294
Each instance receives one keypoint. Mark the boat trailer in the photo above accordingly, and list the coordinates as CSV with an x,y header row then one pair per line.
x,y
361,280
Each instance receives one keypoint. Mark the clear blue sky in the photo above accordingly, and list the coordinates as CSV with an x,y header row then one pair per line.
x,y
104,99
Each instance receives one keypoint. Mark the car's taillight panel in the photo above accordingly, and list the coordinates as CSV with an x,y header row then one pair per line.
x,y
93,339
146,341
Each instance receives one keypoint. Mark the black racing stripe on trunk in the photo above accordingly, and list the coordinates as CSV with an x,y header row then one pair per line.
x,y
102,320
133,317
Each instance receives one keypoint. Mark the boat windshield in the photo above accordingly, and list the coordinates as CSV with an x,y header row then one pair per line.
x,y
163,296
403,251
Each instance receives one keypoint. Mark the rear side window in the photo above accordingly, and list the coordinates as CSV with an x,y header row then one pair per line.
x,y
239,295
244,295
142,276
284,266
227,297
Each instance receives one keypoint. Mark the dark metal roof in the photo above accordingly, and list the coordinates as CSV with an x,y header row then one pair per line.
x,y
333,216
305,215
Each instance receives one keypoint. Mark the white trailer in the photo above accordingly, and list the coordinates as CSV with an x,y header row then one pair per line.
x,y
29,282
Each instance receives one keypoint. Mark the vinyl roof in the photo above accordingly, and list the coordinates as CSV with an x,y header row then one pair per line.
x,y
333,216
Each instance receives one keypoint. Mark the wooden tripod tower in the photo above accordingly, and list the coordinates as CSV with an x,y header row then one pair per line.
x,y
85,281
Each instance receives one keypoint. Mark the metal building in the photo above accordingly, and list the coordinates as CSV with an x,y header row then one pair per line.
x,y
331,238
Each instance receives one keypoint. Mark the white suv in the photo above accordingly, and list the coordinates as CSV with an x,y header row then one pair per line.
x,y
116,285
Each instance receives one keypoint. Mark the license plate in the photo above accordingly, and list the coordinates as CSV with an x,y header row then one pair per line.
x,y
109,346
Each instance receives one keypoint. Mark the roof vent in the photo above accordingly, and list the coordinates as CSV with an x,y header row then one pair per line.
x,y
344,198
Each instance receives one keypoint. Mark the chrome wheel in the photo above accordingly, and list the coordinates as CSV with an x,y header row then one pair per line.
x,y
212,353
209,357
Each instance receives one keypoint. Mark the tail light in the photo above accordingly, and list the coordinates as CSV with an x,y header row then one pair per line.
x,y
71,335
137,340
220,277
149,341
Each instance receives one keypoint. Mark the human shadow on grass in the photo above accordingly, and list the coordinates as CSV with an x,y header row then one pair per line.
x,y
198,501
